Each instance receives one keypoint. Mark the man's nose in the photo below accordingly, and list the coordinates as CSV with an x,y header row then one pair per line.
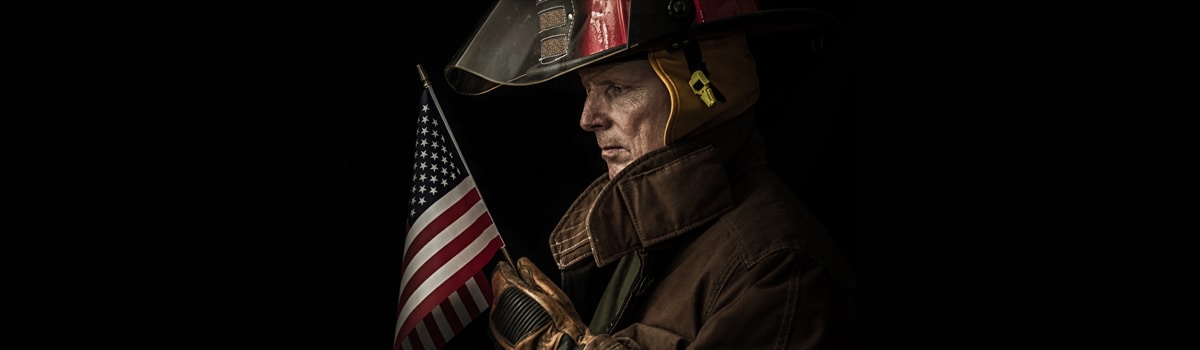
x,y
594,116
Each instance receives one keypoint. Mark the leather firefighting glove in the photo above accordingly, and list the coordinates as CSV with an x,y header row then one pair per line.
x,y
531,312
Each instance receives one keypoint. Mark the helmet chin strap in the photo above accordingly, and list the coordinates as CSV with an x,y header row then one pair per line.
x,y
699,81
721,75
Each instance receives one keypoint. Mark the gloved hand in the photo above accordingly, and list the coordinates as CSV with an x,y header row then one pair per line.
x,y
530,312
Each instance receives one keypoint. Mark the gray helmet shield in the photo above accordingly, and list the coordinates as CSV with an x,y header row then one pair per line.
x,y
526,42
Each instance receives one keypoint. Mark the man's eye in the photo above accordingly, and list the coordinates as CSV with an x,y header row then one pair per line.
x,y
616,89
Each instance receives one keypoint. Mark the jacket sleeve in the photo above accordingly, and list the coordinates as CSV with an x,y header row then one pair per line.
x,y
782,301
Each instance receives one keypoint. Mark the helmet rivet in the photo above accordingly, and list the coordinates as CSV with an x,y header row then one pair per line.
x,y
677,8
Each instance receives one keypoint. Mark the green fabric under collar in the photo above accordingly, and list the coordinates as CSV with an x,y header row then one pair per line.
x,y
628,270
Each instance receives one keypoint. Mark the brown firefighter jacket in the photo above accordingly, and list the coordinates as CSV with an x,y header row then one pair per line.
x,y
729,258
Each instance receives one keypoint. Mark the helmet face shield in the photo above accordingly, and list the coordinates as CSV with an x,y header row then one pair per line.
x,y
524,42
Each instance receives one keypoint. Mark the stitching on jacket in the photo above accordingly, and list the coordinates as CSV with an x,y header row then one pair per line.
x,y
572,214
723,278
575,246
572,261
789,308
741,252
562,252
717,289
565,240
569,249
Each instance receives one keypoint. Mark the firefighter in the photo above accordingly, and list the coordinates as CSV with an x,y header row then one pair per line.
x,y
689,240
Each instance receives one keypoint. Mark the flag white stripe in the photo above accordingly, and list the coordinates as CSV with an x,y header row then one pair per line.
x,y
424,335
442,325
435,209
434,273
444,272
477,294
443,238
459,308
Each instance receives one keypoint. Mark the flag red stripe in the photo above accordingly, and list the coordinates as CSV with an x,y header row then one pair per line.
x,y
443,220
413,343
435,332
447,253
484,286
443,286
464,293
420,340
459,277
451,316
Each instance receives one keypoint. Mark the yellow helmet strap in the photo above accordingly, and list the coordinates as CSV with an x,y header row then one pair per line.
x,y
699,81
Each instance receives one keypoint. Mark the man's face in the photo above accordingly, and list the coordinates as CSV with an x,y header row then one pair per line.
x,y
627,108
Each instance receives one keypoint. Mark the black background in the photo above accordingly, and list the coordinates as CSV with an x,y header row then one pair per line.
x,y
274,172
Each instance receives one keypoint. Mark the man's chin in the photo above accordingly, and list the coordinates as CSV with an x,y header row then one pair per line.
x,y
613,170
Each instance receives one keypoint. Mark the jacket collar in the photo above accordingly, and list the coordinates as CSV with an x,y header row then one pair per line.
x,y
659,196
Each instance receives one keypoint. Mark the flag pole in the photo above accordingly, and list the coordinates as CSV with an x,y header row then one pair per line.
x,y
425,84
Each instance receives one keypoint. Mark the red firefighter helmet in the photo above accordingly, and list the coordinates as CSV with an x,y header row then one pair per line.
x,y
526,42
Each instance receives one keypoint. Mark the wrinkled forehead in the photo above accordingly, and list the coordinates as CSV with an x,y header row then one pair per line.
x,y
621,71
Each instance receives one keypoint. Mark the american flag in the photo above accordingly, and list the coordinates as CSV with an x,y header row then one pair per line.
x,y
449,238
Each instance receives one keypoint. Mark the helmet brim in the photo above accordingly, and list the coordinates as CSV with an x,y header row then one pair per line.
x,y
484,71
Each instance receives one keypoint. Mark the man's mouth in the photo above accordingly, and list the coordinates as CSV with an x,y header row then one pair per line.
x,y
610,151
